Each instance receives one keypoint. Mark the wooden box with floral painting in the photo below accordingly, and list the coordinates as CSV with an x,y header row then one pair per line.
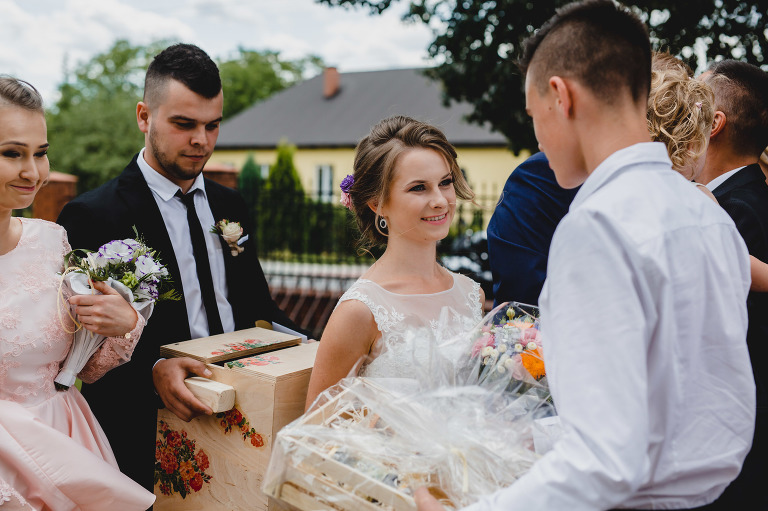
x,y
218,462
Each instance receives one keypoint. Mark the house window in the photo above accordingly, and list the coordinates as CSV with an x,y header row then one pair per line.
x,y
324,183
264,170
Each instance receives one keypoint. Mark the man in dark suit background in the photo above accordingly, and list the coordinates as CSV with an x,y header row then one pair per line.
x,y
163,193
521,229
731,172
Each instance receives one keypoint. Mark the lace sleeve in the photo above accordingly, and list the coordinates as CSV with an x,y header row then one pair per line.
x,y
114,352
12,497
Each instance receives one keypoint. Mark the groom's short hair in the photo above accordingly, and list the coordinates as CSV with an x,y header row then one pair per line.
x,y
600,44
741,93
185,63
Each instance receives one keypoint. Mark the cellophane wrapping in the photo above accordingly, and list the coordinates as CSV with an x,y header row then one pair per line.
x,y
467,424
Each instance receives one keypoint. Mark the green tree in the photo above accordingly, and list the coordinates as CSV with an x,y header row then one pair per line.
x,y
252,76
250,185
92,127
477,41
283,219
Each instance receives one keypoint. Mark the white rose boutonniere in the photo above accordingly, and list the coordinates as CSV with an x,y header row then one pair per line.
x,y
232,233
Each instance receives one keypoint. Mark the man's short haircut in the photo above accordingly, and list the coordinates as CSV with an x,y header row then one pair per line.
x,y
741,93
602,45
185,63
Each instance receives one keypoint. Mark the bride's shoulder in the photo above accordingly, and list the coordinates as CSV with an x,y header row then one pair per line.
x,y
462,281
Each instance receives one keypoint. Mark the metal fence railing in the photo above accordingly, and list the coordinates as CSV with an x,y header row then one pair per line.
x,y
318,230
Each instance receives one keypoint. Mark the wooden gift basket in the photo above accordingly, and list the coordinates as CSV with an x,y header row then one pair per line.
x,y
217,462
311,476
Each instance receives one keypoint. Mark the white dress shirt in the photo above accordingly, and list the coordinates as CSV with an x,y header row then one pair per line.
x,y
722,178
175,216
644,327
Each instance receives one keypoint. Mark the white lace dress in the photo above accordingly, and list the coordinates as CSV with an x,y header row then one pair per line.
x,y
411,325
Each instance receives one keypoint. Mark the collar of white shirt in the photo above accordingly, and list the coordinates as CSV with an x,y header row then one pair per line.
x,y
642,154
721,179
163,187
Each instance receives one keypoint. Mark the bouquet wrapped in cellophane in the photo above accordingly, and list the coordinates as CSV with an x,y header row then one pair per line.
x,y
465,426
131,268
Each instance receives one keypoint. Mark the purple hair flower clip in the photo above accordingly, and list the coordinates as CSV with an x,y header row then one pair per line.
x,y
346,185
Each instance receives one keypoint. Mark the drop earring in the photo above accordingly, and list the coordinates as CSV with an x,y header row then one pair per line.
x,y
383,222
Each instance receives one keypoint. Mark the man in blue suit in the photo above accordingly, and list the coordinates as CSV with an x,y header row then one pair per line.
x,y
521,228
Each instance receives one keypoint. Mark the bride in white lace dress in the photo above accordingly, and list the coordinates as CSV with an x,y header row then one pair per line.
x,y
403,192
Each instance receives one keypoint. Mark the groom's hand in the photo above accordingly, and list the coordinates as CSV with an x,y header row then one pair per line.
x,y
168,376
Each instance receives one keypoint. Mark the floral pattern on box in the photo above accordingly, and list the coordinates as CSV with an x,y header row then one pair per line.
x,y
178,468
234,419
256,360
248,344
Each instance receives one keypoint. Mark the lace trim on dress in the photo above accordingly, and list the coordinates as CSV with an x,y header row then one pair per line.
x,y
385,319
7,493
473,303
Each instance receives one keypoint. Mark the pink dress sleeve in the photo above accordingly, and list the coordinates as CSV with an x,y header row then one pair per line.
x,y
114,352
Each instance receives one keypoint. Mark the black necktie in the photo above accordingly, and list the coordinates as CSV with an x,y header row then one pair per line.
x,y
202,264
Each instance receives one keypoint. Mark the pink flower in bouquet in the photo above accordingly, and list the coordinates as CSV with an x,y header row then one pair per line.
x,y
487,339
532,335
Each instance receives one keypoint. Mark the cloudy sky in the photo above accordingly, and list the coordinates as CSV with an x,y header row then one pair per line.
x,y
38,38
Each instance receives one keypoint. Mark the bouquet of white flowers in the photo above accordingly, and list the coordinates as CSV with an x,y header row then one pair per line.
x,y
129,267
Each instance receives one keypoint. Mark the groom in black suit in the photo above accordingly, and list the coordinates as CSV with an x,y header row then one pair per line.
x,y
731,172
163,193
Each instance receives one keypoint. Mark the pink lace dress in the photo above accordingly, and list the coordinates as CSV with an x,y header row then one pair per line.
x,y
53,453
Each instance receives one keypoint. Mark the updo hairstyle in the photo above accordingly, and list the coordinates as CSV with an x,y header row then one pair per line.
x,y
374,168
680,114
15,92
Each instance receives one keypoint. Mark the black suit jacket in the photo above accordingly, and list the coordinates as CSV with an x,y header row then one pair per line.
x,y
745,197
124,400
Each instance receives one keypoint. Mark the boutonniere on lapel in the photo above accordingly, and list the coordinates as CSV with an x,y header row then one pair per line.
x,y
232,233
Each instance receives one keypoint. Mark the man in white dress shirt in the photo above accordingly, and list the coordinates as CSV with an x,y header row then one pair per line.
x,y
643,308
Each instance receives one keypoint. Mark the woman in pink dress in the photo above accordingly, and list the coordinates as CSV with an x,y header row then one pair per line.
x,y
53,454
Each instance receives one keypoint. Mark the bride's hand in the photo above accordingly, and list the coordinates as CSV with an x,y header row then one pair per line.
x,y
107,314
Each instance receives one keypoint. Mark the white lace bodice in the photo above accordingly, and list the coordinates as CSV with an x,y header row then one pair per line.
x,y
436,316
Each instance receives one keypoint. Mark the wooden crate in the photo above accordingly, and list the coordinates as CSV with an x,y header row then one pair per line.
x,y
218,462
310,479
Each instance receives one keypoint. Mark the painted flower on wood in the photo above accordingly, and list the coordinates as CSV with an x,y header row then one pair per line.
x,y
178,468
248,344
257,360
234,419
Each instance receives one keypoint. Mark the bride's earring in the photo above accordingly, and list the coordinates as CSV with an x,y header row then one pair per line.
x,y
382,222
